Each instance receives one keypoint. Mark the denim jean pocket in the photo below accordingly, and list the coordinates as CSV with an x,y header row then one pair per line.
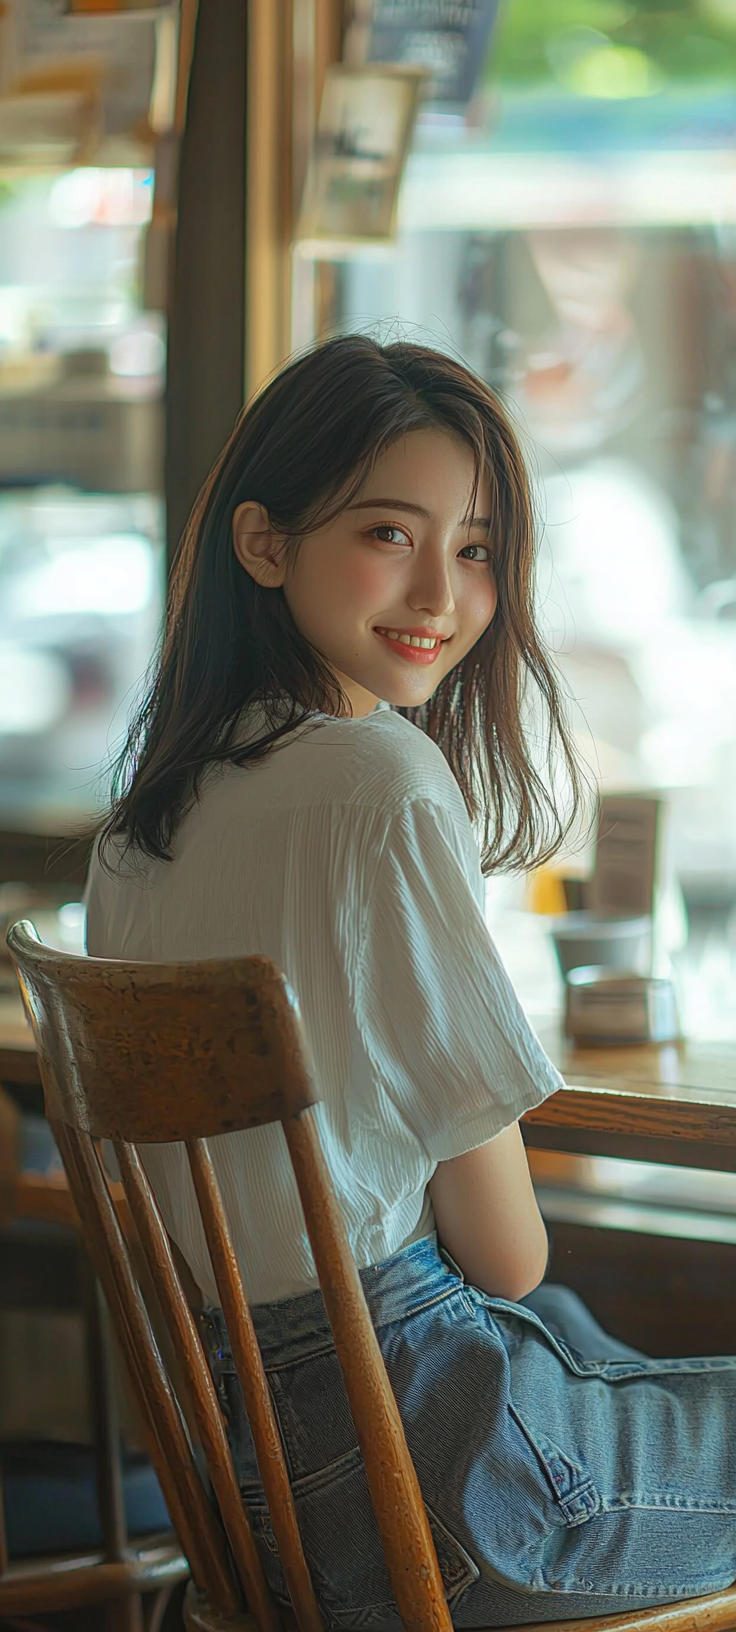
x,y
343,1547
576,1497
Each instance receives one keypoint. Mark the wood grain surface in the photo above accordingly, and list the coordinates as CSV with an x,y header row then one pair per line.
x,y
674,1103
153,1053
678,1100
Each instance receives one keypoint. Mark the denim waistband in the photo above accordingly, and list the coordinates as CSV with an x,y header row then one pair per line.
x,y
410,1281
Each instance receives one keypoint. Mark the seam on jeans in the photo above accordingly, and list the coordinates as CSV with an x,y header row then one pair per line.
x,y
613,1371
342,1467
461,1570
421,1308
660,1592
350,1620
465,1566
328,1346
665,1501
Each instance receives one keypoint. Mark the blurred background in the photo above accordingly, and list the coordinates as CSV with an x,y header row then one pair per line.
x,y
82,370
560,192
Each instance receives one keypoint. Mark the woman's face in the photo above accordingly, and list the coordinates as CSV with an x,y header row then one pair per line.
x,y
404,562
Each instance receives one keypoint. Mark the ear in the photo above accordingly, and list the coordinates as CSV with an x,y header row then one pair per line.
x,y
257,547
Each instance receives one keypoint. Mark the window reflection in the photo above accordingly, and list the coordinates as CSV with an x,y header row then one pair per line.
x,y
574,239
618,356
81,512
81,590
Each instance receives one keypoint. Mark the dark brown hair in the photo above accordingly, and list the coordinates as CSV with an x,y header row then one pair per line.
x,y
302,450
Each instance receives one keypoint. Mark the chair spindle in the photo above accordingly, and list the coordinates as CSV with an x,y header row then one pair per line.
x,y
256,1392
394,1487
155,1242
168,1444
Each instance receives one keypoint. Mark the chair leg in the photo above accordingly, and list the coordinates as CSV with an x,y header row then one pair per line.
x,y
162,1611
124,1615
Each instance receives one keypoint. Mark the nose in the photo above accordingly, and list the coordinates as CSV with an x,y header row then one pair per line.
x,y
431,589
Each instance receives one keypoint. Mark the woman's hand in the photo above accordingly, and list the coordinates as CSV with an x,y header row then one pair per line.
x,y
488,1219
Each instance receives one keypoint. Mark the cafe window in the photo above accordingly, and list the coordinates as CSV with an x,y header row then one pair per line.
x,y
81,513
571,233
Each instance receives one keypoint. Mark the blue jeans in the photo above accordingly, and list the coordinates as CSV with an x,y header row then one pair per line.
x,y
564,1474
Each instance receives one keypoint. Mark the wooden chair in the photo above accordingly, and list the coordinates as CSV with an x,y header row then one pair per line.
x,y
141,1053
46,1268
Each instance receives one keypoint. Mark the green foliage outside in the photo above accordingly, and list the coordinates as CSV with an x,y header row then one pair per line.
x,y
612,49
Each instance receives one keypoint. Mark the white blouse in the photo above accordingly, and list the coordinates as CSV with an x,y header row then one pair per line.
x,y
347,857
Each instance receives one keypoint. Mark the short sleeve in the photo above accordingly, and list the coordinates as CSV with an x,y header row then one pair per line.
x,y
438,1016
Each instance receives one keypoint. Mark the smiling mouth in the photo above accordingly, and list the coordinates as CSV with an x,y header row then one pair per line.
x,y
416,648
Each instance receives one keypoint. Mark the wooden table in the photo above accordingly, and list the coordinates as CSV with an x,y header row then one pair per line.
x,y
674,1104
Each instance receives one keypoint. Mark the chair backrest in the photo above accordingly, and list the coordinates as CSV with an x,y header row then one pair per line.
x,y
140,1053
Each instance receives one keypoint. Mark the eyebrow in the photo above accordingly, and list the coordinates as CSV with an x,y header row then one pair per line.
x,y
412,509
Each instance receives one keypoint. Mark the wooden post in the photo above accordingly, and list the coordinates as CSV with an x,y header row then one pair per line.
x,y
269,203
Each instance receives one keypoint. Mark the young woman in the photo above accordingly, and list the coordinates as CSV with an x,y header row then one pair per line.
x,y
330,757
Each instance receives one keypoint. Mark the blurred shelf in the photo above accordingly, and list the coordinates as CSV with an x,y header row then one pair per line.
x,y
103,434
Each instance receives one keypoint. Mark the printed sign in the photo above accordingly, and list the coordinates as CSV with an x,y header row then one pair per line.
x,y
626,857
448,38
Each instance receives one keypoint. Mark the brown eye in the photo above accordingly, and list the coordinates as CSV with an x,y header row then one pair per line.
x,y
483,557
398,535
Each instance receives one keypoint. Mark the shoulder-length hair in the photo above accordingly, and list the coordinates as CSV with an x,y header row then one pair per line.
x,y
303,449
